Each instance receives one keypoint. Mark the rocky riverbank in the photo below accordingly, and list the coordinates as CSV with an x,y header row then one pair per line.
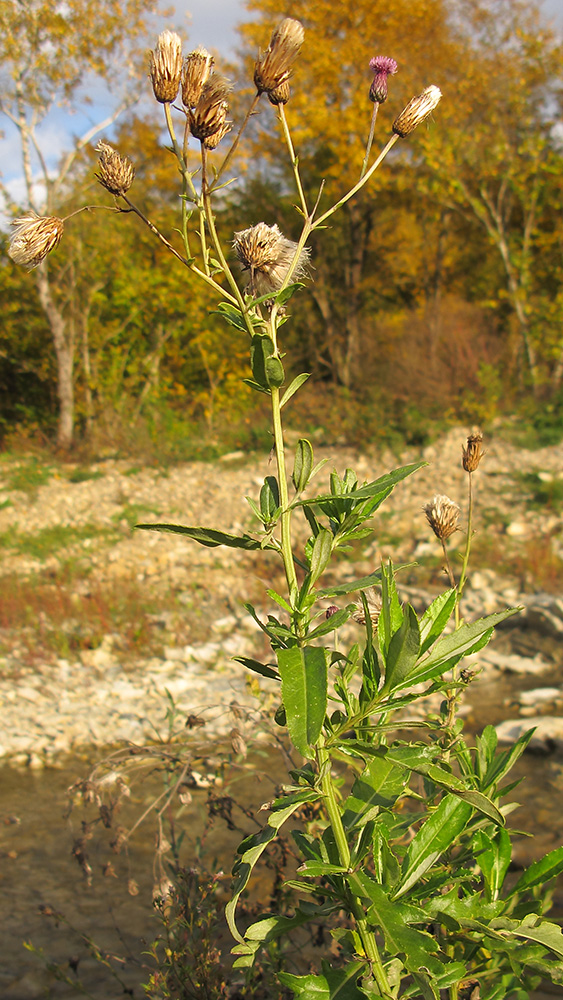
x,y
75,672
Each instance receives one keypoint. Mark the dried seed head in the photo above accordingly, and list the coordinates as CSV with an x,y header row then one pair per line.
x,y
33,238
210,113
197,68
374,603
416,111
273,67
442,515
280,95
382,66
165,68
116,172
268,255
473,453
213,141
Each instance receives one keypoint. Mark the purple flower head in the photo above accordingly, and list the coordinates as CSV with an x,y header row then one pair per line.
x,y
382,67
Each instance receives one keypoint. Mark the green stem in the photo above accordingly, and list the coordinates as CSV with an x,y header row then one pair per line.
x,y
335,818
370,139
294,160
357,187
210,220
285,520
467,553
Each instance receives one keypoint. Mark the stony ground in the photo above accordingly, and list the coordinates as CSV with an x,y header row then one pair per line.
x,y
98,621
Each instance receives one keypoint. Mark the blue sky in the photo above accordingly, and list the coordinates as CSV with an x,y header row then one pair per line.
x,y
208,22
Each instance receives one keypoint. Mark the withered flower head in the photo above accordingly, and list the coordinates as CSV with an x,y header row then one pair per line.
x,y
210,113
33,238
416,111
374,603
197,68
213,141
273,67
267,254
280,95
116,172
442,515
382,66
165,68
473,453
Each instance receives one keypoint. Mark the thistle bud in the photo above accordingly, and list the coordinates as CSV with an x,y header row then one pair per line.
x,y
33,238
268,255
210,113
374,603
382,66
279,95
197,68
165,68
331,610
116,172
273,67
442,515
473,453
416,111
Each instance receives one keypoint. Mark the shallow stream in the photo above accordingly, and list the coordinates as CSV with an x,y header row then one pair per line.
x,y
39,876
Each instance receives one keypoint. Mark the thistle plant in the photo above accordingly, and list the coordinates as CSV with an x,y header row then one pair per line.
x,y
406,864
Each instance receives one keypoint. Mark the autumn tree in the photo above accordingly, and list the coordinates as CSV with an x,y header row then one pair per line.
x,y
54,54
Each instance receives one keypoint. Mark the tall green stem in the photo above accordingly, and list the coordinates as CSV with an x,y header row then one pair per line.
x,y
285,520
294,160
333,811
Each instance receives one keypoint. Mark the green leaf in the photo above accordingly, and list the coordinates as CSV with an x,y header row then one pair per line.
x,y
266,367
269,928
435,618
460,643
333,984
402,652
303,464
435,836
540,872
380,784
293,387
417,946
269,499
493,859
534,928
335,621
256,385
259,668
391,617
379,488
208,536
320,556
232,315
304,692
317,869
253,847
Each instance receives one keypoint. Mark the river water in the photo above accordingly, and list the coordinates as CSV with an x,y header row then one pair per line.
x,y
40,877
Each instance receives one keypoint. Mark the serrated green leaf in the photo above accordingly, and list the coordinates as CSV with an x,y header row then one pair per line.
x,y
540,872
304,692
